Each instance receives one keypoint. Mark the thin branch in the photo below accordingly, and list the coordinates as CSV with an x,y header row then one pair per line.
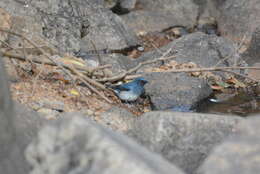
x,y
83,78
88,70
140,65
212,69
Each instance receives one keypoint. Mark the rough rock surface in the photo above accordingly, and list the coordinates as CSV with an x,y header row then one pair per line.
x,y
64,23
155,15
18,127
251,55
77,145
168,90
117,119
6,113
238,155
185,139
128,4
202,49
236,19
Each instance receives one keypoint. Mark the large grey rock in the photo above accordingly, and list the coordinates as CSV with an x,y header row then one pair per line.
x,y
185,139
77,145
26,124
169,90
107,31
65,23
158,15
238,155
18,127
6,114
202,49
236,19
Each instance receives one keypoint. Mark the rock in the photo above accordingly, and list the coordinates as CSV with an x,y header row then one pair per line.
x,y
251,55
18,127
128,4
27,123
107,31
119,62
158,15
199,48
77,145
239,154
169,90
185,139
202,49
6,114
26,126
65,23
118,119
236,19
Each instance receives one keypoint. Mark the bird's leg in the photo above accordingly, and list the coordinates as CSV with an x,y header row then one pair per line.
x,y
129,104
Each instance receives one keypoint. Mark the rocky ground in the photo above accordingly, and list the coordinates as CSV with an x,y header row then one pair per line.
x,y
56,124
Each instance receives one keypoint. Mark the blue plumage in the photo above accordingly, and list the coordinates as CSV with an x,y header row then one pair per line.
x,y
130,91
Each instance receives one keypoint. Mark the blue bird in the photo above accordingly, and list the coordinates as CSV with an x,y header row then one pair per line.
x,y
130,91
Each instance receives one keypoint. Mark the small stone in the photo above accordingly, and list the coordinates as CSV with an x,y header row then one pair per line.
x,y
141,48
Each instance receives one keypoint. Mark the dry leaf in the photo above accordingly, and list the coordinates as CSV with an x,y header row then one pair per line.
x,y
222,84
216,87
74,92
72,60
237,83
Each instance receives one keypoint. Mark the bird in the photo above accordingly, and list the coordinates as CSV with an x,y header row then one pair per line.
x,y
130,91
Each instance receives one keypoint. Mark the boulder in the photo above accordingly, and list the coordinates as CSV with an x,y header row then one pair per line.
x,y
6,115
18,127
185,139
239,154
69,26
237,20
77,145
170,90
153,15
202,49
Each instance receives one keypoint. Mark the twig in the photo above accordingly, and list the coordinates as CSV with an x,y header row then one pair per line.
x,y
130,77
84,79
88,70
124,74
236,50
224,69
212,69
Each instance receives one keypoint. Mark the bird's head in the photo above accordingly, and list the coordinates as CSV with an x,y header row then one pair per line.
x,y
141,81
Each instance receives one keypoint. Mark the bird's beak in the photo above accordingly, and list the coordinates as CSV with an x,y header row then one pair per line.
x,y
145,81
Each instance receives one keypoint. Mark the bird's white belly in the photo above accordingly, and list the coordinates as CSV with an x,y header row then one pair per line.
x,y
127,96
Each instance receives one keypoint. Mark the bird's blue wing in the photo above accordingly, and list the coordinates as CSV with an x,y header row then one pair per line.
x,y
121,88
